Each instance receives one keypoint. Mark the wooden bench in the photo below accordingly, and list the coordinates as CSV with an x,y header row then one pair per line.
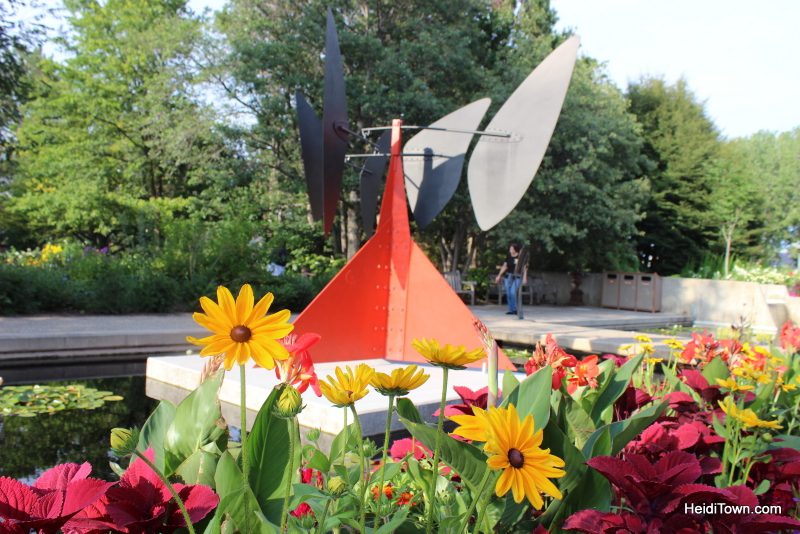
x,y
461,287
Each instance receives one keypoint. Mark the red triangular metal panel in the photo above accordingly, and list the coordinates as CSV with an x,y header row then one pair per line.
x,y
389,293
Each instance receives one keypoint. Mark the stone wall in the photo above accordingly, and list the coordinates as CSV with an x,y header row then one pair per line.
x,y
712,303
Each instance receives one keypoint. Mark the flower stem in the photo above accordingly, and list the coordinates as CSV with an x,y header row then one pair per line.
x,y
174,493
383,461
435,466
474,502
243,432
321,526
362,464
293,430
492,397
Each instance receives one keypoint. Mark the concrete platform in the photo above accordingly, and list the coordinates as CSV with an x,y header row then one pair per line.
x,y
36,348
174,377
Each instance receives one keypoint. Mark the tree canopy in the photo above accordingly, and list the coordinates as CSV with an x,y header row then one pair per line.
x,y
157,129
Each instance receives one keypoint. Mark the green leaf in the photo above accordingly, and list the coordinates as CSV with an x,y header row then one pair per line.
x,y
614,387
465,459
406,408
715,369
621,432
510,383
154,429
513,513
397,519
344,440
785,440
268,457
533,397
579,422
319,461
198,421
719,428
762,487
237,501
763,396
199,468
391,469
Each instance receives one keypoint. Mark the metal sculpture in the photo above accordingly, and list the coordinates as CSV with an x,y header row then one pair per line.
x,y
501,169
389,292
503,163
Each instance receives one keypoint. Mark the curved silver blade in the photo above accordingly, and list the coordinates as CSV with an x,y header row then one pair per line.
x,y
334,115
501,169
371,176
431,181
311,151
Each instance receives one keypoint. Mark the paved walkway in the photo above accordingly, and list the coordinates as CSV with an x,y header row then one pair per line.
x,y
124,341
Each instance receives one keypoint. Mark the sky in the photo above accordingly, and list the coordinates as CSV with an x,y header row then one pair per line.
x,y
741,57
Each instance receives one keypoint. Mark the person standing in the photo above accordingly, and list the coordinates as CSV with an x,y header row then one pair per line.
x,y
513,274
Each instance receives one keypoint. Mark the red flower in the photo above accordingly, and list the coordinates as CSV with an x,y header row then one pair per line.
x,y
554,356
585,374
387,490
405,498
141,503
307,475
303,510
298,368
701,349
402,447
790,337
55,497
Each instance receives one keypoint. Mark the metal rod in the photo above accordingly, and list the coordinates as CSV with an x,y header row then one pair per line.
x,y
438,129
386,154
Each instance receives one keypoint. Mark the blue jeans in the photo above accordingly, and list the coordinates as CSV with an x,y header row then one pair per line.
x,y
511,284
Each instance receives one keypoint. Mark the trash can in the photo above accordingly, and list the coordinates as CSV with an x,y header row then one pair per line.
x,y
648,292
610,294
627,291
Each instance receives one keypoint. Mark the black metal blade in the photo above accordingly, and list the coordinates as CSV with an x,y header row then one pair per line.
x,y
311,149
371,176
334,116
431,181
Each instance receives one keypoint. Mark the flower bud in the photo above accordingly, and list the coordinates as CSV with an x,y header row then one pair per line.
x,y
124,440
313,435
289,403
766,436
337,486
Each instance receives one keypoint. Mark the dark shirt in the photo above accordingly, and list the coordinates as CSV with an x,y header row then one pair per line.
x,y
511,264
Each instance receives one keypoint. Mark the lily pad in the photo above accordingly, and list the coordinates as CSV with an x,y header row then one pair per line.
x,y
28,401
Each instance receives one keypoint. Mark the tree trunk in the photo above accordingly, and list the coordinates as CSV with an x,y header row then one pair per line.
x,y
353,231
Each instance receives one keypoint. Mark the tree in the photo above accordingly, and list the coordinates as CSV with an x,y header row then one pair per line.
x,y
771,161
682,141
421,68
735,202
114,140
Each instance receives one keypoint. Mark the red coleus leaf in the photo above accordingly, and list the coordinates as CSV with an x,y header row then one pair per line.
x,y
61,475
744,523
58,494
594,521
16,500
141,503
469,398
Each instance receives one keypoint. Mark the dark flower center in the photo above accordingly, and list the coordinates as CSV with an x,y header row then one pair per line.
x,y
515,458
240,334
